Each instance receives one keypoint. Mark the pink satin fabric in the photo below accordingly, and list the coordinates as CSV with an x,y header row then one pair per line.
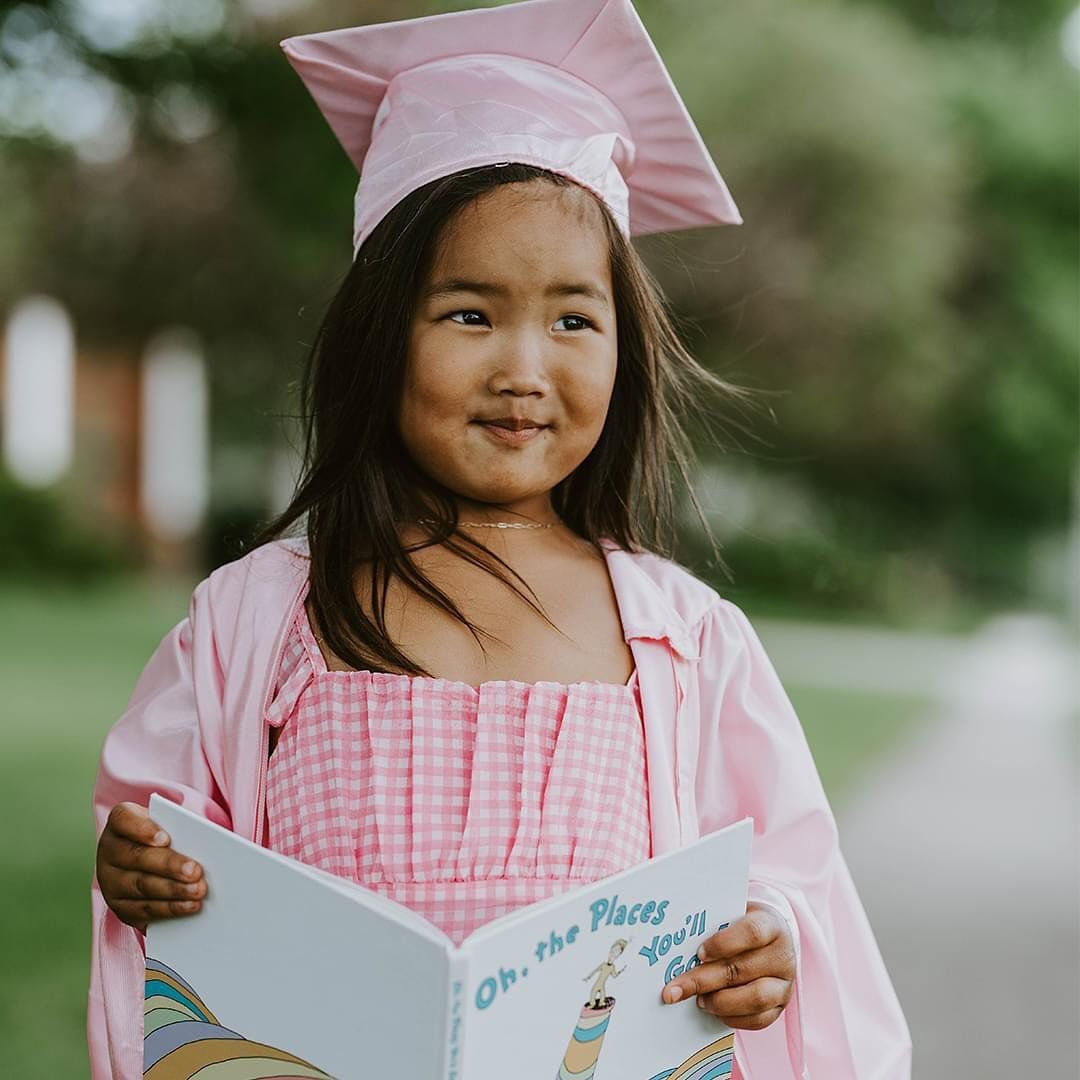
x,y
573,86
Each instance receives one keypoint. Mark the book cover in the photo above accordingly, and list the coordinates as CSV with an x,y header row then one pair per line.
x,y
291,972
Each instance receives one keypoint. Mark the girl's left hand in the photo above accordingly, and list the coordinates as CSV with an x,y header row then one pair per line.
x,y
747,971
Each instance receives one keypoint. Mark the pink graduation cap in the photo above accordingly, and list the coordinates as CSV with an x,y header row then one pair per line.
x,y
573,86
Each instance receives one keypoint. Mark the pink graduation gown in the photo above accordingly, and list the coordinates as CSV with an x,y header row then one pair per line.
x,y
722,743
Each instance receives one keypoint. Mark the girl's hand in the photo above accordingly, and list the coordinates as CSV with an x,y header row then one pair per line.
x,y
140,876
747,971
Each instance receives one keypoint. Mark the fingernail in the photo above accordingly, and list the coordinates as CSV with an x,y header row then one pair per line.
x,y
161,838
700,1002
192,889
187,869
701,953
674,993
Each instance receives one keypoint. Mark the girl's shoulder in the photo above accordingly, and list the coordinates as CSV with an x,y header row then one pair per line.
x,y
656,588
249,589
677,581
276,564
695,619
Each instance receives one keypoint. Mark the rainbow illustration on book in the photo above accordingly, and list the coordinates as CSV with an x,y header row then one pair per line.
x,y
712,1062
182,1039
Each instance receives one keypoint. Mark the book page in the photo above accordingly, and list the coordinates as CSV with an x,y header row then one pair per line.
x,y
571,986
288,967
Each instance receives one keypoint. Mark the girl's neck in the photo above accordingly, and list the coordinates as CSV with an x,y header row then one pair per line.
x,y
536,511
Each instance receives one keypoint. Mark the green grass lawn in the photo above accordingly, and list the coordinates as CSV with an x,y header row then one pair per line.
x,y
68,662
849,729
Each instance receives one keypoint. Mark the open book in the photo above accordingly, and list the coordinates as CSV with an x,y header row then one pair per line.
x,y
292,972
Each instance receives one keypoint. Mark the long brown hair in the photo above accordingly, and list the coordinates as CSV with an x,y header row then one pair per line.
x,y
358,483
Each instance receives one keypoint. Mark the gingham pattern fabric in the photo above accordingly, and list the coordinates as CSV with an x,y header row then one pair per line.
x,y
463,804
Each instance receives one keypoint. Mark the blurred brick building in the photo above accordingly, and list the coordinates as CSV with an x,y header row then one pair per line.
x,y
118,434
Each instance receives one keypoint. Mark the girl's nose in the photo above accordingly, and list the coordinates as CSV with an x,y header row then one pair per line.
x,y
520,366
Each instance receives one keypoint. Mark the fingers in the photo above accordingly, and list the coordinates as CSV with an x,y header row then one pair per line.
x,y
132,822
138,898
140,876
133,885
747,974
752,1006
721,974
131,842
754,1023
126,855
141,912
759,927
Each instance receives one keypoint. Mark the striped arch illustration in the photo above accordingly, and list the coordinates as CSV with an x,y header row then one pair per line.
x,y
182,1039
579,1062
712,1062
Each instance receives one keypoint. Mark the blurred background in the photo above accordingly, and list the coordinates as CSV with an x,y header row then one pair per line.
x,y
901,518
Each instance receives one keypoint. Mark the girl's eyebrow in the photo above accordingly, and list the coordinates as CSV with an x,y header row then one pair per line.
x,y
489,288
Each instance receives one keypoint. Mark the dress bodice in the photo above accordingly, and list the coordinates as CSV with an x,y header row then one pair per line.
x,y
460,802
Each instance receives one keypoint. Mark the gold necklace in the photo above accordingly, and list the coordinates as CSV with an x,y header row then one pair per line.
x,y
491,524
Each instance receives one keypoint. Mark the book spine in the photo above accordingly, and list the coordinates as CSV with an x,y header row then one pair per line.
x,y
455,1017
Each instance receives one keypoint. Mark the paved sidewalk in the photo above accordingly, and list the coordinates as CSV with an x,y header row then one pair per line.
x,y
965,851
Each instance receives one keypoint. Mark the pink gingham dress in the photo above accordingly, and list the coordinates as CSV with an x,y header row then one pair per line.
x,y
461,803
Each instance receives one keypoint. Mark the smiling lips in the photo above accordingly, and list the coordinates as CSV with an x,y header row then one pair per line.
x,y
515,430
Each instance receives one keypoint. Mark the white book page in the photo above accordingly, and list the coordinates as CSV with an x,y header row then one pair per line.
x,y
376,902
531,974
302,961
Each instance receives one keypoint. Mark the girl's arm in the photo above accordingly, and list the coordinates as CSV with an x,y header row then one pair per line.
x,y
843,1020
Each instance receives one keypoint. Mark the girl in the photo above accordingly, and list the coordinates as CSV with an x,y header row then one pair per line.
x,y
476,681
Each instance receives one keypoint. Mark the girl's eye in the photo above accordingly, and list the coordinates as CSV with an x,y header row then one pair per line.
x,y
584,324
466,312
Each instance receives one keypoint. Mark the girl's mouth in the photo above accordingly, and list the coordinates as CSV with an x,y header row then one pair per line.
x,y
509,435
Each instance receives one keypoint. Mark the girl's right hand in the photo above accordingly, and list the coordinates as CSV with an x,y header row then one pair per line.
x,y
140,876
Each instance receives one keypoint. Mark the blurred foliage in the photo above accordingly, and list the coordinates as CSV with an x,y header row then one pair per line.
x,y
867,567
40,538
1012,22
906,291
903,292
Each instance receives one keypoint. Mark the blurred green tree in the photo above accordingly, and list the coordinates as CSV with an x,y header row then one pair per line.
x,y
1009,22
906,276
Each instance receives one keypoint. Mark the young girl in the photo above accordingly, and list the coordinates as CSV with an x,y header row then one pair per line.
x,y
476,681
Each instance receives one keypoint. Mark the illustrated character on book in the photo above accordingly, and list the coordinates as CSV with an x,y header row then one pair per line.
x,y
579,1061
597,997
182,1038
712,1062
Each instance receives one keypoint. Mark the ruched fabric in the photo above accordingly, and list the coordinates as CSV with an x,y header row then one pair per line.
x,y
462,803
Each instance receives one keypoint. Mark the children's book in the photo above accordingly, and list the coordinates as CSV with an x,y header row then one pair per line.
x,y
288,972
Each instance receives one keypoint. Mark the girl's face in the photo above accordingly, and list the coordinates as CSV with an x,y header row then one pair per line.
x,y
514,326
